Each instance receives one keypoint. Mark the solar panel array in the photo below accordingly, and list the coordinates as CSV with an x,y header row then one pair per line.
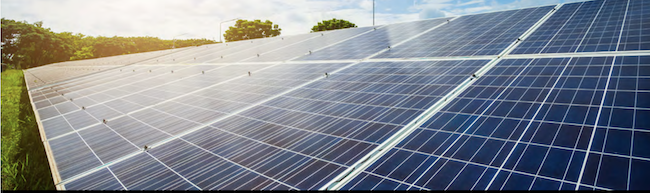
x,y
549,97
62,71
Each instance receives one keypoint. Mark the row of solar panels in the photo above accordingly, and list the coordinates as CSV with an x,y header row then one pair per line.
x,y
57,72
577,27
314,121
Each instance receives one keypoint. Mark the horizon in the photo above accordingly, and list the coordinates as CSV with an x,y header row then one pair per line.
x,y
195,19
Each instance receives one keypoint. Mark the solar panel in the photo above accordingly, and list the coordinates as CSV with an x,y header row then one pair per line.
x,y
549,97
58,72
450,138
525,125
635,35
584,27
619,143
274,44
381,38
482,34
310,45
603,35
215,52
165,119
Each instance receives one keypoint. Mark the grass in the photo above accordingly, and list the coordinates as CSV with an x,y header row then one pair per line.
x,y
24,163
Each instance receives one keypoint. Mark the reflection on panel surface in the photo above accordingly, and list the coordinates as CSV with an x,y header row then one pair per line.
x,y
295,112
527,124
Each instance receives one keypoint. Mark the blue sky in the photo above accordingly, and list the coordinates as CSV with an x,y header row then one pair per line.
x,y
184,19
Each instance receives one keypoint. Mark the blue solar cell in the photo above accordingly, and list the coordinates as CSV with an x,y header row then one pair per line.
x,y
518,181
367,183
555,163
638,175
572,122
635,32
604,32
143,172
136,132
470,35
55,127
209,170
163,122
103,111
73,156
107,144
585,27
557,137
613,172
545,184
574,16
277,123
101,180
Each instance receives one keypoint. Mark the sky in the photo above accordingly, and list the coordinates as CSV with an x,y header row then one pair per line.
x,y
184,19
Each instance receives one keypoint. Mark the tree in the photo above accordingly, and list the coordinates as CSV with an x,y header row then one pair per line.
x,y
84,53
70,43
332,24
244,30
27,45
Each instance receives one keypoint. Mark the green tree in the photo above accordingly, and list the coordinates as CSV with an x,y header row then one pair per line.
x,y
27,45
72,43
244,30
84,53
192,42
146,44
332,24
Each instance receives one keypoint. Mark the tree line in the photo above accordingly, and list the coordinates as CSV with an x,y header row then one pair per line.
x,y
244,29
26,45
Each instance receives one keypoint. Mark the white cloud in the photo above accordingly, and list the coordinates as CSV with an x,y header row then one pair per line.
x,y
431,12
201,18
476,10
471,3
366,5
170,18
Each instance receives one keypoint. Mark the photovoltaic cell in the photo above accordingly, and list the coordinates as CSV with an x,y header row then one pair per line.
x,y
604,32
101,180
581,27
320,151
72,156
128,131
122,85
562,32
540,122
620,142
636,29
217,170
526,124
290,129
470,35
144,172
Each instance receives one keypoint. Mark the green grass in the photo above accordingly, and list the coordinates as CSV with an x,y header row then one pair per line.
x,y
24,163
